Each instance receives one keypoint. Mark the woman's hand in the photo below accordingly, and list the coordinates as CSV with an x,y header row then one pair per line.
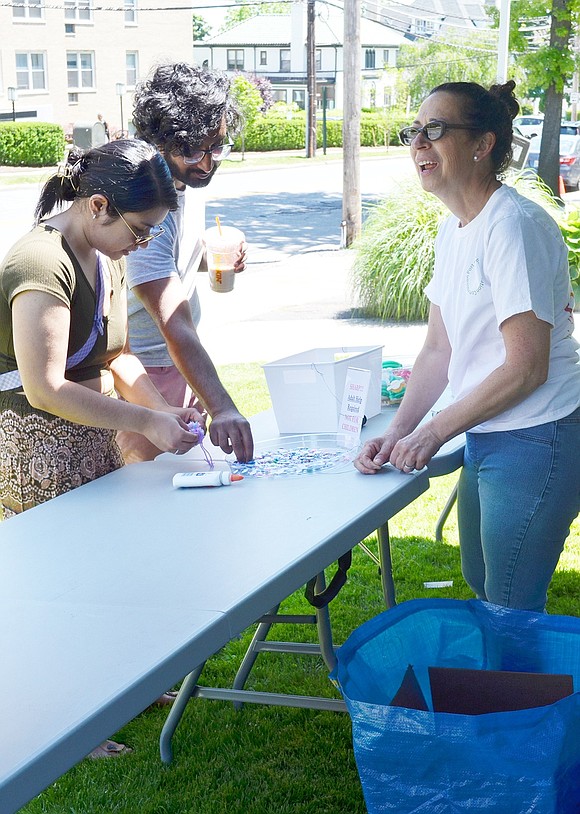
x,y
374,454
414,451
189,414
169,432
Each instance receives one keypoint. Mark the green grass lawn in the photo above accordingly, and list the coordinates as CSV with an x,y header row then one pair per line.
x,y
268,760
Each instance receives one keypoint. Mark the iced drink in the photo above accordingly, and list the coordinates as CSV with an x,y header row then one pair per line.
x,y
223,248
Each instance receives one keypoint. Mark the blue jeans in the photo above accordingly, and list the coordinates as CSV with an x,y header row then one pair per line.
x,y
519,492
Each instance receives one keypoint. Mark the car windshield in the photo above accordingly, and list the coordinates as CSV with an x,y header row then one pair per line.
x,y
567,144
528,120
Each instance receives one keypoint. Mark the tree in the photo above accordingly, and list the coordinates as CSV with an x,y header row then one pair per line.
x,y
244,12
248,99
548,67
560,65
428,63
201,28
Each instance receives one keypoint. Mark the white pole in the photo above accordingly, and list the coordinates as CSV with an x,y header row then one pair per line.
x,y
503,45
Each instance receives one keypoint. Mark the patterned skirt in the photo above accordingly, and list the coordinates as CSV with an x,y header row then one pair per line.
x,y
42,456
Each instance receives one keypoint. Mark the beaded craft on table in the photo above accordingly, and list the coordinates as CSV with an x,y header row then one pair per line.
x,y
297,455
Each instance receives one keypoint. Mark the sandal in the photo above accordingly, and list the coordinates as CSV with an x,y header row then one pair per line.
x,y
109,749
166,699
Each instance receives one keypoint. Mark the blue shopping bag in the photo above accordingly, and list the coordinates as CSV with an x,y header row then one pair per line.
x,y
416,761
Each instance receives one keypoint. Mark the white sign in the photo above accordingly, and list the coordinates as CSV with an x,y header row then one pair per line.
x,y
356,389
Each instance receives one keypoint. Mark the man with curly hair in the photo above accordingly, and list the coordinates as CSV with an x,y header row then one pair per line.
x,y
188,113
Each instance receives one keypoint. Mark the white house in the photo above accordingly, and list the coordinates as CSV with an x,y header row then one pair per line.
x,y
274,46
72,59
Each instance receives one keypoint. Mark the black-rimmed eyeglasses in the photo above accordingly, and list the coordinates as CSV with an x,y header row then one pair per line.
x,y
218,153
432,131
141,240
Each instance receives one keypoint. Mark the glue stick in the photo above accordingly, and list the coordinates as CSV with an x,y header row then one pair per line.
x,y
218,478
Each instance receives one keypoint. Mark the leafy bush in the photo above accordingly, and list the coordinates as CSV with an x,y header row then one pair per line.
x,y
283,128
31,144
570,226
396,250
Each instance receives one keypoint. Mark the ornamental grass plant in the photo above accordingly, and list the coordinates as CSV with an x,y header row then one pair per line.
x,y
395,254
396,249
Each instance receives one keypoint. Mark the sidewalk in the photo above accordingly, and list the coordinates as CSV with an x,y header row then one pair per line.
x,y
309,306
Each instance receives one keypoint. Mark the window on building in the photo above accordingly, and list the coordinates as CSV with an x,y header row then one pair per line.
x,y
69,28
80,70
132,68
279,95
284,60
318,60
388,57
130,7
425,28
79,11
370,58
299,98
28,9
73,98
263,57
30,70
235,59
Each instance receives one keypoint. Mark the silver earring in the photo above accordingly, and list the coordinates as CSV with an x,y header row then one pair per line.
x,y
94,216
475,158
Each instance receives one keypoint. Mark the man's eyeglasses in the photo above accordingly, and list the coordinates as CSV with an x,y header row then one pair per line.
x,y
141,240
432,131
218,153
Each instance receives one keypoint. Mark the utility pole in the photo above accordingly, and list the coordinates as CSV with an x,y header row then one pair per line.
x,y
351,194
311,80
504,36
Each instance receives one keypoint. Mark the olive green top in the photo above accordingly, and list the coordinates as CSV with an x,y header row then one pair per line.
x,y
43,261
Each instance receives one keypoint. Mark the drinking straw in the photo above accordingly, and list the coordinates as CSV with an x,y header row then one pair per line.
x,y
219,226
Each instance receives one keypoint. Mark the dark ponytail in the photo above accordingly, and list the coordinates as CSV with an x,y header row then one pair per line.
x,y
131,174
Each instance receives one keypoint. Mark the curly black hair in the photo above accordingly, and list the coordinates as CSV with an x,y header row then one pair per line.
x,y
180,104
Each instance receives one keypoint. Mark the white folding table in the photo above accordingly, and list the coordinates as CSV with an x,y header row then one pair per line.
x,y
97,621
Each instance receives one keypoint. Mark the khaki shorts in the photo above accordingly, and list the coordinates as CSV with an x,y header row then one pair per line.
x,y
176,391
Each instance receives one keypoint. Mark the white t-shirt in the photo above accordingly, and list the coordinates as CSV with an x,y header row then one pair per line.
x,y
510,259
177,252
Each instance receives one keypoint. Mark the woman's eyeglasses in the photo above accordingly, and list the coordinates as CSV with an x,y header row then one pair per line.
x,y
218,153
432,131
141,240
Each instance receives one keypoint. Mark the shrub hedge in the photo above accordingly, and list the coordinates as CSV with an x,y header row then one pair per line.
x,y
276,131
31,144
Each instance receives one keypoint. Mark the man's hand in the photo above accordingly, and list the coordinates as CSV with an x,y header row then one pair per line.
x,y
231,431
240,263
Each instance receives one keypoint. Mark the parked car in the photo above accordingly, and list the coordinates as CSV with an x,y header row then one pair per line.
x,y
569,158
570,129
530,125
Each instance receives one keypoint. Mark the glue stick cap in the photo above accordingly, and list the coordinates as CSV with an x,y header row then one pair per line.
x,y
236,477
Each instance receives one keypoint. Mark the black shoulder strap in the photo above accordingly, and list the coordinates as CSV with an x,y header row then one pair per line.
x,y
322,599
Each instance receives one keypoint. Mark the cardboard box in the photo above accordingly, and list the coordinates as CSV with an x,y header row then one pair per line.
x,y
306,389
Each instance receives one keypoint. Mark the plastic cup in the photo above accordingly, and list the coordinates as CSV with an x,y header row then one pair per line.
x,y
222,247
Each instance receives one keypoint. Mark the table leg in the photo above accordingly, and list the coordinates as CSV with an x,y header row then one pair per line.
x,y
252,653
186,690
445,514
386,565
